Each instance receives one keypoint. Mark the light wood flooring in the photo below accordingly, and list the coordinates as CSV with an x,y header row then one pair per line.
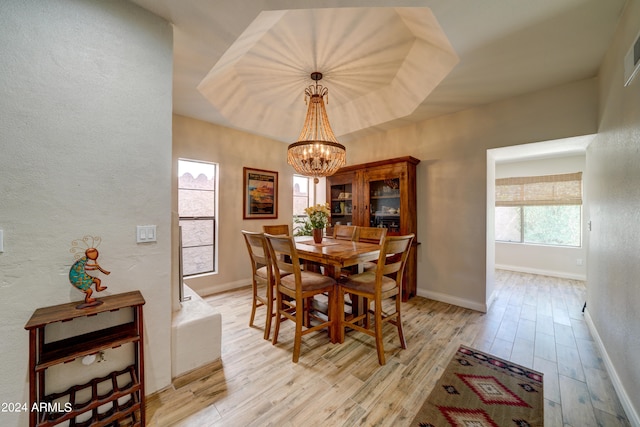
x,y
535,321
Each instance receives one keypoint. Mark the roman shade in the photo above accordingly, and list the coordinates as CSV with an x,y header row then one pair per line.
x,y
564,189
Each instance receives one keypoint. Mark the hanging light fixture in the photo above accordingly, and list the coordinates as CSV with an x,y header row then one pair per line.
x,y
317,152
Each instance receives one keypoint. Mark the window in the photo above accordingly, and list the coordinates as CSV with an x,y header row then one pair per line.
x,y
300,194
302,190
540,209
197,183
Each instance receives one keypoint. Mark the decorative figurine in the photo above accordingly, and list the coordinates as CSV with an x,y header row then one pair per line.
x,y
89,262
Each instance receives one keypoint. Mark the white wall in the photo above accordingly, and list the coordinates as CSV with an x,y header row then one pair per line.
x,y
540,259
613,173
85,148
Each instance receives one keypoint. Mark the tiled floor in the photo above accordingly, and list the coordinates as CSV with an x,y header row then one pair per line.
x,y
535,321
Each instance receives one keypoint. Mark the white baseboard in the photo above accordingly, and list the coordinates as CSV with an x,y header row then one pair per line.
x,y
449,299
560,274
215,289
625,400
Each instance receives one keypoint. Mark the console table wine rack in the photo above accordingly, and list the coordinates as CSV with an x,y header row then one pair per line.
x,y
123,401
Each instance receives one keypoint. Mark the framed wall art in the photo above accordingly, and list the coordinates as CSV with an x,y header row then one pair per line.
x,y
260,194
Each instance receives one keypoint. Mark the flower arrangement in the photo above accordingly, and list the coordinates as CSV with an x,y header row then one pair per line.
x,y
318,215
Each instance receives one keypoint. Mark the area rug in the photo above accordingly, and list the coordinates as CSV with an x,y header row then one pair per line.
x,y
480,390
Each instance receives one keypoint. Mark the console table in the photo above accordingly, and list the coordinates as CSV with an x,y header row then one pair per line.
x,y
126,400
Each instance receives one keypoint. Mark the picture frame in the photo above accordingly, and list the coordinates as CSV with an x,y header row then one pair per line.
x,y
260,194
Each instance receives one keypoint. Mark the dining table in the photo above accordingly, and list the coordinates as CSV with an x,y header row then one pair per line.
x,y
336,255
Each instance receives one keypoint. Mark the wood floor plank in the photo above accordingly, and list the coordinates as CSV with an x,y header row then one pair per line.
x,y
564,335
602,392
552,413
577,409
535,321
545,346
551,378
522,353
569,362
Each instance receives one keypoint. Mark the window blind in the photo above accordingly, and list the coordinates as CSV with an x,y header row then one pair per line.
x,y
564,189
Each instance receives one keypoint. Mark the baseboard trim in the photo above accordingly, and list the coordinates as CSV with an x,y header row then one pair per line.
x,y
540,272
223,287
625,400
449,299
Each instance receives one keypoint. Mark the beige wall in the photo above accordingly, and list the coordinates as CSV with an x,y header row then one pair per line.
x,y
232,150
452,179
613,173
85,148
452,182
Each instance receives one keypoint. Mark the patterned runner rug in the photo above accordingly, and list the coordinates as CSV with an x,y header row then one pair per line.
x,y
478,389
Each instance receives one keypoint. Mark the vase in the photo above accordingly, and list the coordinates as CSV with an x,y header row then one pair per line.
x,y
317,235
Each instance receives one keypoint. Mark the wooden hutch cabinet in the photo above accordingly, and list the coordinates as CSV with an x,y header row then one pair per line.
x,y
379,194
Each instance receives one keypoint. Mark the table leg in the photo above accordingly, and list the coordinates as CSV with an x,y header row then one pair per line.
x,y
334,271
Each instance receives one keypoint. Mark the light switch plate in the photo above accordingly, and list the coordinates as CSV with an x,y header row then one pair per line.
x,y
145,233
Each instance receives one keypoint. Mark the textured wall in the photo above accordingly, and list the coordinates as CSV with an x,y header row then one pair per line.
x,y
85,148
613,168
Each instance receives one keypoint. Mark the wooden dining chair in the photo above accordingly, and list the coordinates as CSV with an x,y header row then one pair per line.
x,y
344,232
295,290
376,286
370,235
277,229
262,277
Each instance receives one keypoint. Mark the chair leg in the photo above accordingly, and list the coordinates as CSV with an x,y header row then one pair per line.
x,y
340,314
269,314
306,309
367,319
378,328
276,328
297,342
403,343
254,304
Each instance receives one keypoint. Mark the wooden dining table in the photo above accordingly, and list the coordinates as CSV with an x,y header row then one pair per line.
x,y
335,255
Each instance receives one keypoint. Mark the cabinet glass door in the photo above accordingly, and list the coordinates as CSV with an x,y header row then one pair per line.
x,y
384,205
341,204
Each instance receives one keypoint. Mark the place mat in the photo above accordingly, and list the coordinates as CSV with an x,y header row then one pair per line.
x,y
482,390
323,243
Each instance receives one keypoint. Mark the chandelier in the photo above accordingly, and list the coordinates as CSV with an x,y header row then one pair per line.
x,y
317,152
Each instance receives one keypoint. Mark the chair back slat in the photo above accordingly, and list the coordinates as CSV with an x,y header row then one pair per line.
x,y
277,229
279,246
371,234
344,232
394,254
257,247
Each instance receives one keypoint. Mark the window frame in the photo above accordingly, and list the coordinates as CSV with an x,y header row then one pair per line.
x,y
212,218
296,218
539,191
522,220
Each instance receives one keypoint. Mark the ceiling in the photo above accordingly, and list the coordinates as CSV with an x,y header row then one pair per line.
x,y
245,64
